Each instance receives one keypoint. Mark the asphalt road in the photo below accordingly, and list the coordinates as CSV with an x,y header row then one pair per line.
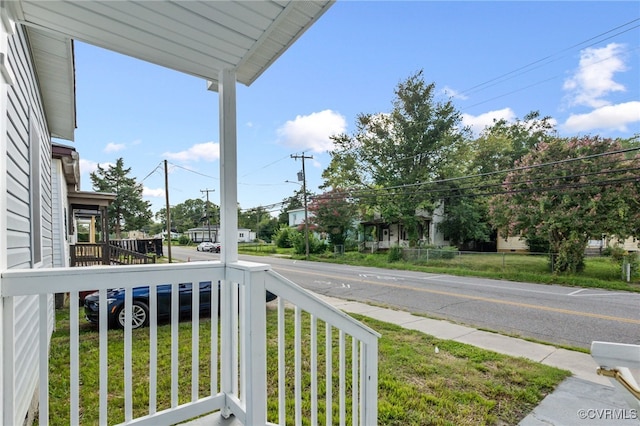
x,y
549,313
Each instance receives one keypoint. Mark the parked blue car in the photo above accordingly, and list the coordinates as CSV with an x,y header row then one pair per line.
x,y
140,304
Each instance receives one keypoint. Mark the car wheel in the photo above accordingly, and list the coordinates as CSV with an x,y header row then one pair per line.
x,y
139,315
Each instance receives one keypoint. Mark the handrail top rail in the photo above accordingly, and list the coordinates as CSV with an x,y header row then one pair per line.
x,y
329,313
25,282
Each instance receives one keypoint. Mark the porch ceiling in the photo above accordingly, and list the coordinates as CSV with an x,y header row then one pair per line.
x,y
195,37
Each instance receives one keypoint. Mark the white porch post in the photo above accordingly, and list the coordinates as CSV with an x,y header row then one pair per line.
x,y
229,231
6,339
228,166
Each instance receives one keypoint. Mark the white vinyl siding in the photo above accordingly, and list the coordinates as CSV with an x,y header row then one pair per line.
x,y
27,135
59,215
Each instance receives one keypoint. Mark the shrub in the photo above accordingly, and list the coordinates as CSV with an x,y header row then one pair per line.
x,y
315,245
184,240
622,257
285,237
394,254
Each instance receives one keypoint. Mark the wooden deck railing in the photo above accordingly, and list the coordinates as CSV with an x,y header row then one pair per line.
x,y
92,254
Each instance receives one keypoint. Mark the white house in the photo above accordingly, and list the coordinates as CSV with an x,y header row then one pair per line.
x,y
382,234
205,233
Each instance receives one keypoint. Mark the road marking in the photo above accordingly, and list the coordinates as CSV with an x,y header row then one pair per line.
x,y
478,298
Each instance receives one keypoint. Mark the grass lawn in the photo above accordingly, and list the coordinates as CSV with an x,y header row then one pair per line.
x,y
600,272
458,385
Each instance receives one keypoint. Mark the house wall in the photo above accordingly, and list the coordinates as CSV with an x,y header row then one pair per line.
x,y
512,245
60,212
296,217
28,225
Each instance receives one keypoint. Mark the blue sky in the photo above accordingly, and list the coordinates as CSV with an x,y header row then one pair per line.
x,y
577,62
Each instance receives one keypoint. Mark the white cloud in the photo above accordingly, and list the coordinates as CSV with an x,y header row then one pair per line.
x,y
610,117
479,122
114,147
448,91
208,151
150,192
311,132
87,166
594,77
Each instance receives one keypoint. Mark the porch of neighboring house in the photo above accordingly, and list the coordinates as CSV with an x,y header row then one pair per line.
x,y
90,244
380,234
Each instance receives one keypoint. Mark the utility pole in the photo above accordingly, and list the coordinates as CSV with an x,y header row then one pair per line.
x,y
206,209
304,192
166,195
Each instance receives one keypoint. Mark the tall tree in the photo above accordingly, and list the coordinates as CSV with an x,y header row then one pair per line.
x,y
496,150
191,213
391,159
333,213
568,191
128,212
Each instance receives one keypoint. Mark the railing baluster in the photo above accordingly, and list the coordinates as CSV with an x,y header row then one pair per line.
x,y
153,348
234,335
242,348
195,339
329,373
314,371
43,309
74,358
281,364
103,326
175,317
354,381
297,367
341,379
128,376
215,311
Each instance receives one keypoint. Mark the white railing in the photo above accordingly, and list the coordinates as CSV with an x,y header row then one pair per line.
x,y
228,357
620,362
358,372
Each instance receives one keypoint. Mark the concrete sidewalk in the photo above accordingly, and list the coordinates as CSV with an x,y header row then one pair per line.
x,y
581,400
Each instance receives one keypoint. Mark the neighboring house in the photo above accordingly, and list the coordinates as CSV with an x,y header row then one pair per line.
x,y
296,216
246,235
204,233
512,245
519,245
379,234
200,234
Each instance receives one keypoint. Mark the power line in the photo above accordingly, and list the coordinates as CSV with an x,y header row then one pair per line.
x,y
419,188
152,172
193,171
528,67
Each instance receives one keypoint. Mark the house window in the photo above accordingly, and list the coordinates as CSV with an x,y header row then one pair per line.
x,y
242,235
35,192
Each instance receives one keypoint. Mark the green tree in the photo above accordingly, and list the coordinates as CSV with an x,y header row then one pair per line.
x,y
128,212
497,149
260,220
392,159
334,214
568,191
190,213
